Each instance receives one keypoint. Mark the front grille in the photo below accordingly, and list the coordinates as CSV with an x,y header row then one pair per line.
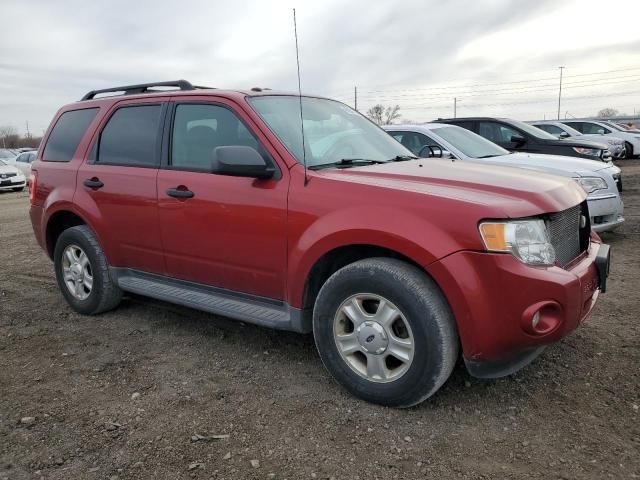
x,y
568,237
7,175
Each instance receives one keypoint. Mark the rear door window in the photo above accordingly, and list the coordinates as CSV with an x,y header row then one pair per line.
x,y
131,137
67,134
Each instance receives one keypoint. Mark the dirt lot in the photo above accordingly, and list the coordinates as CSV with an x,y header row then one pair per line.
x,y
141,392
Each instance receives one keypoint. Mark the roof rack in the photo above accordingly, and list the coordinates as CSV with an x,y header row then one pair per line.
x,y
142,88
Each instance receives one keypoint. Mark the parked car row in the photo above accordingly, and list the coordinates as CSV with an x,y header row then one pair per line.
x,y
561,130
598,179
622,143
16,161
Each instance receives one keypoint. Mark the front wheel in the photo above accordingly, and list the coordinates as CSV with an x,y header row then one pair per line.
x,y
628,149
385,332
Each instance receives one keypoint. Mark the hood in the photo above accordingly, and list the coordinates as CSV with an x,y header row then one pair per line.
x,y
507,192
601,139
9,169
574,142
551,164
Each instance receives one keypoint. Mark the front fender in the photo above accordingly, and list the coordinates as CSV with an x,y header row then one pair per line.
x,y
400,231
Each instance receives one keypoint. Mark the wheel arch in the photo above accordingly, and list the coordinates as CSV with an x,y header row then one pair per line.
x,y
57,223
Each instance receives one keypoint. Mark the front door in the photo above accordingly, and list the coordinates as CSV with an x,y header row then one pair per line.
x,y
229,232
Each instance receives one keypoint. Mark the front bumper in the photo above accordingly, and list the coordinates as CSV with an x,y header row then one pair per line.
x,y
606,212
11,182
494,298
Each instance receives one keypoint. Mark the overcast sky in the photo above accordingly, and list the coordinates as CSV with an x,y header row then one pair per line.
x,y
497,57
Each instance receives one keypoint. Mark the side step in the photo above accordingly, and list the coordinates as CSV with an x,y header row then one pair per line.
x,y
239,306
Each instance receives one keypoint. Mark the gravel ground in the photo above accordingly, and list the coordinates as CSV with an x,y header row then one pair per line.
x,y
152,390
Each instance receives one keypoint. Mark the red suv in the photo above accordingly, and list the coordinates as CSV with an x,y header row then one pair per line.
x,y
225,201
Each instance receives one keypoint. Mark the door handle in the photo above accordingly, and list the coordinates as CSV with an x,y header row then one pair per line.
x,y
93,183
179,192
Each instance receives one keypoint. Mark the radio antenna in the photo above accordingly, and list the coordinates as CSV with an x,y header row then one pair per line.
x,y
304,150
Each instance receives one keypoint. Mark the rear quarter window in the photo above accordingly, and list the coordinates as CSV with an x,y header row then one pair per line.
x,y
67,133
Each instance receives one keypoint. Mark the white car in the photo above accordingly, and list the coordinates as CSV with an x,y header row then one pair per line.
x,y
11,178
24,160
452,142
631,139
617,146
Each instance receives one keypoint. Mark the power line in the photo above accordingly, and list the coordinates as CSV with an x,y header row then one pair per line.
x,y
443,105
513,91
449,87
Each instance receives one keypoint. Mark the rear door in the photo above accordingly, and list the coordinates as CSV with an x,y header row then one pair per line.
x,y
231,231
117,185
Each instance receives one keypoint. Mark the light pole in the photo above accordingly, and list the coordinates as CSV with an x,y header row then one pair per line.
x,y
560,91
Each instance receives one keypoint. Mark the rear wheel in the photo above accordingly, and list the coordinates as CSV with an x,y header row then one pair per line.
x,y
385,332
82,272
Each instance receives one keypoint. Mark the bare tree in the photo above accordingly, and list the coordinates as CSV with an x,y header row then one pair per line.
x,y
391,114
383,116
9,136
608,113
376,113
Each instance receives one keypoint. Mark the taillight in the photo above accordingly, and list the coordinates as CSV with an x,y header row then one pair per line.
x,y
33,184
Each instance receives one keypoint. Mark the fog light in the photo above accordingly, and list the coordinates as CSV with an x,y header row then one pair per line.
x,y
535,320
541,318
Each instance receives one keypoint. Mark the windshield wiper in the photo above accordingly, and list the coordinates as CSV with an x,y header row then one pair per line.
x,y
346,163
402,158
487,156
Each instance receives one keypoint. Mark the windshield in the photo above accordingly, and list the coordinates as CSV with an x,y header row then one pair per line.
x,y
531,130
614,126
332,130
469,143
6,153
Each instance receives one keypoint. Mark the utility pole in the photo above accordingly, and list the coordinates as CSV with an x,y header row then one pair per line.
x,y
455,107
560,91
28,134
355,98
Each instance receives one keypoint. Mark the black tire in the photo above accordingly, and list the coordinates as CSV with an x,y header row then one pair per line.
x,y
424,307
105,293
19,189
628,150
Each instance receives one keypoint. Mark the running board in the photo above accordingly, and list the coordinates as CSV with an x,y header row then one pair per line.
x,y
236,305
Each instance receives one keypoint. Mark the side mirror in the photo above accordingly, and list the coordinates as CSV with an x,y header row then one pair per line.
x,y
240,161
518,140
563,135
428,151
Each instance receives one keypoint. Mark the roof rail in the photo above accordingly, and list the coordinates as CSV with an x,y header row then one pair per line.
x,y
142,88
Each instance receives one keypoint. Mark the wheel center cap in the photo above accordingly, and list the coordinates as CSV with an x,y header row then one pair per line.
x,y
76,270
372,337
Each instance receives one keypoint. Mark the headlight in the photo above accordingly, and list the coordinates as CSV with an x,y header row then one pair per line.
x,y
591,184
592,152
527,240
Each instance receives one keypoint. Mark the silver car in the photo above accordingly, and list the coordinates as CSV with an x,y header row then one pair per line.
x,y
24,160
617,145
451,142
632,140
11,178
